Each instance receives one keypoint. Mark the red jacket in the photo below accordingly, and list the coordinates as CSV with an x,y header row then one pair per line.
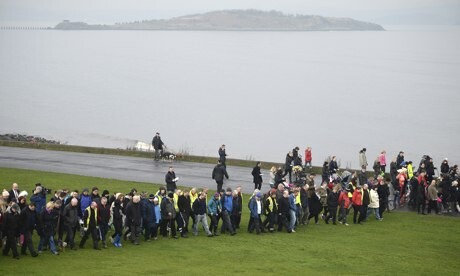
x,y
308,155
343,199
357,198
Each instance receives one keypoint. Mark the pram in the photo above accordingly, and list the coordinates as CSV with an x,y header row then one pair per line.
x,y
300,176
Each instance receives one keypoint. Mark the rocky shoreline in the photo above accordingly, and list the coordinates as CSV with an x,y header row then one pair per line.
x,y
27,138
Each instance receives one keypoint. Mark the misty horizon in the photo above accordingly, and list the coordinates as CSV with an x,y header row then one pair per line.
x,y
50,12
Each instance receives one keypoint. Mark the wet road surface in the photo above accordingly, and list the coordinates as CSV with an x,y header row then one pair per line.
x,y
125,168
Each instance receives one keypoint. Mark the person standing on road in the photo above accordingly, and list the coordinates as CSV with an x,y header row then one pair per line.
x,y
257,176
308,157
363,158
171,180
222,156
157,145
218,174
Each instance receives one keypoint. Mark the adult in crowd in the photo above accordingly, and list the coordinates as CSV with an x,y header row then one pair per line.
x,y
218,174
157,144
257,176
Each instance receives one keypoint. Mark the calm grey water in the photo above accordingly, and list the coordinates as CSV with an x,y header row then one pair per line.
x,y
260,93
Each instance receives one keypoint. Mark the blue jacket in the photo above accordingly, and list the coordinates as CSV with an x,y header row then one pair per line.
x,y
214,206
85,202
292,205
157,213
148,213
40,202
253,208
227,203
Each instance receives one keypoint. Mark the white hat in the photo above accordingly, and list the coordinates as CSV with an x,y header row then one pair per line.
x,y
23,194
5,193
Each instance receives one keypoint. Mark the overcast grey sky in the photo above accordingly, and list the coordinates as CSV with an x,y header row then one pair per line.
x,y
391,12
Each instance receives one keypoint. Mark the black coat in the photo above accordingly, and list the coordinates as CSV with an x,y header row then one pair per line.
x,y
278,178
219,172
366,197
383,192
117,212
333,167
103,213
11,224
199,206
333,200
222,156
256,175
169,179
184,204
157,143
314,204
133,214
421,195
283,206
445,167
288,162
70,215
48,222
29,220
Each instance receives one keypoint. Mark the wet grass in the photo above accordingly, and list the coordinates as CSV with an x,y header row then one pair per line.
x,y
403,244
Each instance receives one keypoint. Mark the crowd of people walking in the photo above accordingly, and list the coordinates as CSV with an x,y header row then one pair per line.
x,y
291,199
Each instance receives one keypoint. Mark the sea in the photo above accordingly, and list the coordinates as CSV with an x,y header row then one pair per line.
x,y
259,93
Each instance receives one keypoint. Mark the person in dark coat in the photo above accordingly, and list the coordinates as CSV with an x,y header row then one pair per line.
x,y
218,174
70,216
14,193
430,170
421,198
325,174
400,160
383,192
279,178
134,218
168,216
283,212
171,179
185,209
332,204
288,165
222,156
157,144
117,215
48,221
333,167
103,213
11,230
365,204
257,176
91,226
445,166
314,205
28,222
149,217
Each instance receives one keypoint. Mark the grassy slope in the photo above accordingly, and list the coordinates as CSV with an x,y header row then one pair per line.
x,y
403,243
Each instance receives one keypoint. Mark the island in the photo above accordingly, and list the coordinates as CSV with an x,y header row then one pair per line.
x,y
235,20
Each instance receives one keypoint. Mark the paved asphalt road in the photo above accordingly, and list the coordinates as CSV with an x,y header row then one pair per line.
x,y
124,168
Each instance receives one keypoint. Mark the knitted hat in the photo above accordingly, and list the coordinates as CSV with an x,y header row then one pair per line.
x,y
23,194
5,193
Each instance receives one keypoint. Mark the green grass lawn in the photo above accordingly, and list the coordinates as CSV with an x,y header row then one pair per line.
x,y
403,244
